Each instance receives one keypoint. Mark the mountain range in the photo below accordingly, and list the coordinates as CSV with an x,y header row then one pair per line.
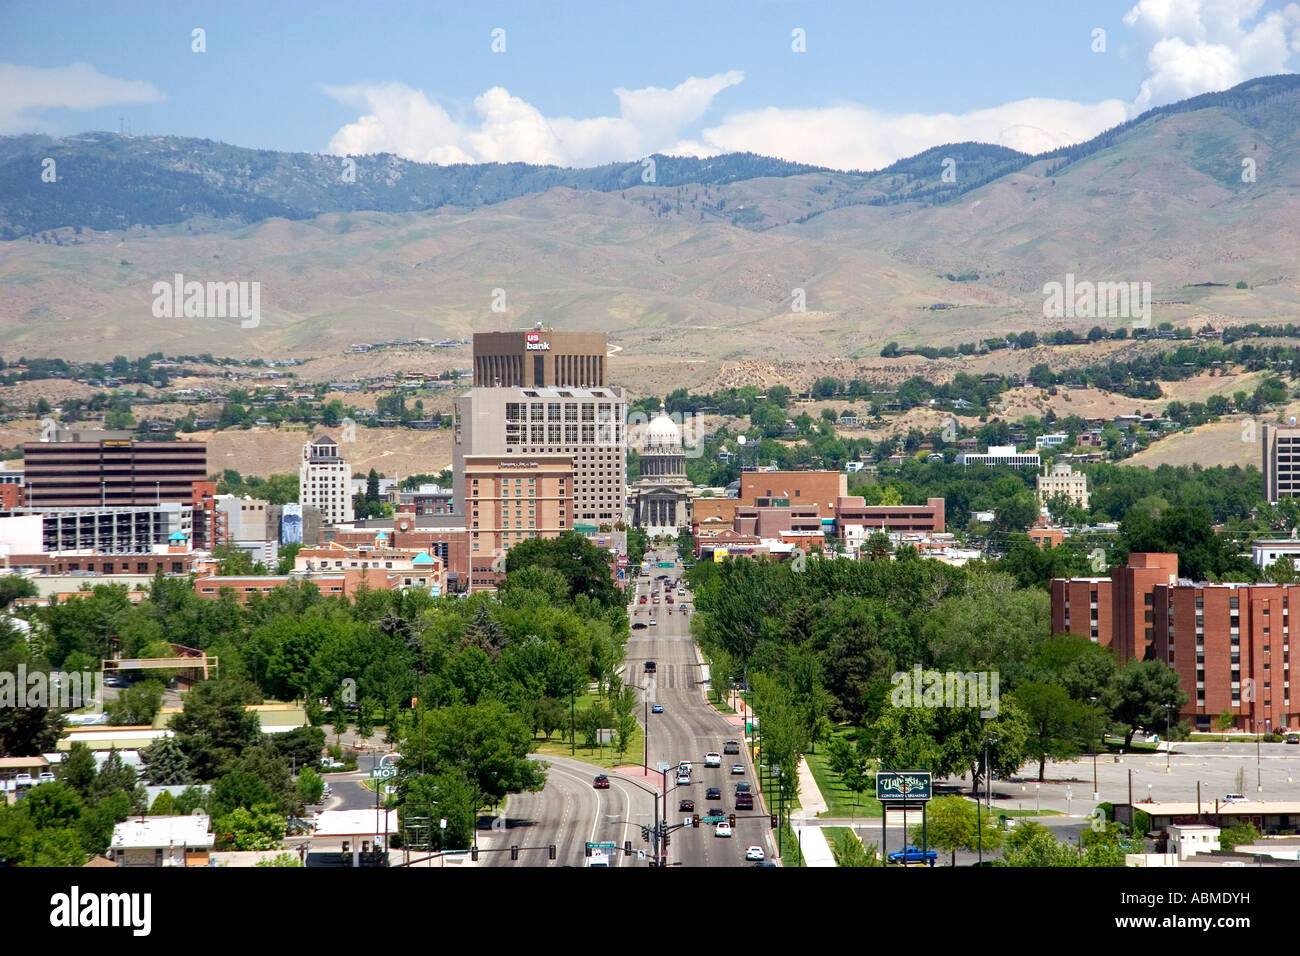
x,y
684,262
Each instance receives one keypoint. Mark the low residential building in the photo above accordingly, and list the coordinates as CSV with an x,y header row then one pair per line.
x,y
1265,551
163,841
1052,440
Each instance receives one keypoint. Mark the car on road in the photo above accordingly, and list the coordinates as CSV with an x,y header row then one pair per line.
x,y
46,777
744,801
1293,738
713,793
1234,798
686,806
602,783
641,600
742,786
731,747
755,853
657,709
649,667
653,622
685,766
723,830
737,768
639,626
713,760
913,855
681,592
683,779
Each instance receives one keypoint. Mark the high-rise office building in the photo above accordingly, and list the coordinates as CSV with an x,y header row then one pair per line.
x,y
587,425
1281,462
539,357
104,470
324,481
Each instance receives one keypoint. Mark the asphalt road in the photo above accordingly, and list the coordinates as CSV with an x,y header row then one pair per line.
x,y
688,729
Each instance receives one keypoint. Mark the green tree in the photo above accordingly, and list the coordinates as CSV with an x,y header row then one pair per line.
x,y
259,828
114,777
215,726
78,769
1057,723
137,705
311,787
849,851
165,764
1136,696
953,823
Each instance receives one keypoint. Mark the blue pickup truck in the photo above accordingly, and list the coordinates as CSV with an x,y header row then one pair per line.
x,y
913,855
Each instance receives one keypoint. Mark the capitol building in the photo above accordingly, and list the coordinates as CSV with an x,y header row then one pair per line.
x,y
661,501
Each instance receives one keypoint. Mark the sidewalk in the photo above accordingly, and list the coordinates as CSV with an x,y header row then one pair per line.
x,y
810,796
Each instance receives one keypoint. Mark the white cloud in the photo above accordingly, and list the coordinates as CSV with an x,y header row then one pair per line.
x,y
1199,46
857,137
405,121
26,90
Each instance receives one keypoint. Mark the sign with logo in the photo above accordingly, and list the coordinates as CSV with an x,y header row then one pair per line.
x,y
903,785
533,342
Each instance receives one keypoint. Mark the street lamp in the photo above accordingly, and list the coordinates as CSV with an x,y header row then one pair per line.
x,y
1168,745
780,805
1092,745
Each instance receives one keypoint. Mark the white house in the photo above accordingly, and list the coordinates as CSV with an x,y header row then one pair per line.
x,y
162,841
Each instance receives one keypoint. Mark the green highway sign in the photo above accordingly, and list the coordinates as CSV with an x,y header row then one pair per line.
x,y
903,785
713,818
665,564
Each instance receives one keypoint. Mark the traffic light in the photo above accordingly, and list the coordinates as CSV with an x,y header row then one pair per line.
x,y
514,853
695,821
551,851
588,850
774,821
645,834
732,820
473,853
627,847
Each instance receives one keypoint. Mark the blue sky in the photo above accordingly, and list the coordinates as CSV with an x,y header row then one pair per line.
x,y
877,81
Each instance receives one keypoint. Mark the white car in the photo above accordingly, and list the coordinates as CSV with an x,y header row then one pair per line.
x,y
713,760
683,778
653,622
723,830
46,777
24,780
755,853
685,766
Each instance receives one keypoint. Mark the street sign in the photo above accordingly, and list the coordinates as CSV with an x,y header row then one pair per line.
x,y
665,564
713,818
383,773
905,785
602,846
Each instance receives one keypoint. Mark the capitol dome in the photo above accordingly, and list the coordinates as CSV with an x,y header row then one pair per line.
x,y
663,432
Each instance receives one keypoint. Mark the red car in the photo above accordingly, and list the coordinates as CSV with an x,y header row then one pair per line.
x,y
602,782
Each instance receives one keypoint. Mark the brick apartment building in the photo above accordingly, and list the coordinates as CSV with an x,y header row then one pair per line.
x,y
1229,643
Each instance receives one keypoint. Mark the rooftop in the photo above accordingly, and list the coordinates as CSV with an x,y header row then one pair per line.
x,y
149,832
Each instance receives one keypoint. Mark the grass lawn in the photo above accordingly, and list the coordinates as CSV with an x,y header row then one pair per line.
x,y
603,756
840,800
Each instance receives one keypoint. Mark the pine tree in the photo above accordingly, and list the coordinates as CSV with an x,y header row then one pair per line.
x,y
78,769
115,776
165,763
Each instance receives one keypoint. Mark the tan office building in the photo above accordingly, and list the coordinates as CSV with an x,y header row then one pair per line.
x,y
539,357
511,499
113,472
524,424
1281,462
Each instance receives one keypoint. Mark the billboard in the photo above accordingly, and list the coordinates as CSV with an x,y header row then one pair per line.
x,y
903,785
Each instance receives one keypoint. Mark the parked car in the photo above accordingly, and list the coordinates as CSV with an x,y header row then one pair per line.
x,y
913,855
737,768
24,780
329,763
731,747
1293,738
713,760
657,709
755,853
713,793
46,777
723,830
